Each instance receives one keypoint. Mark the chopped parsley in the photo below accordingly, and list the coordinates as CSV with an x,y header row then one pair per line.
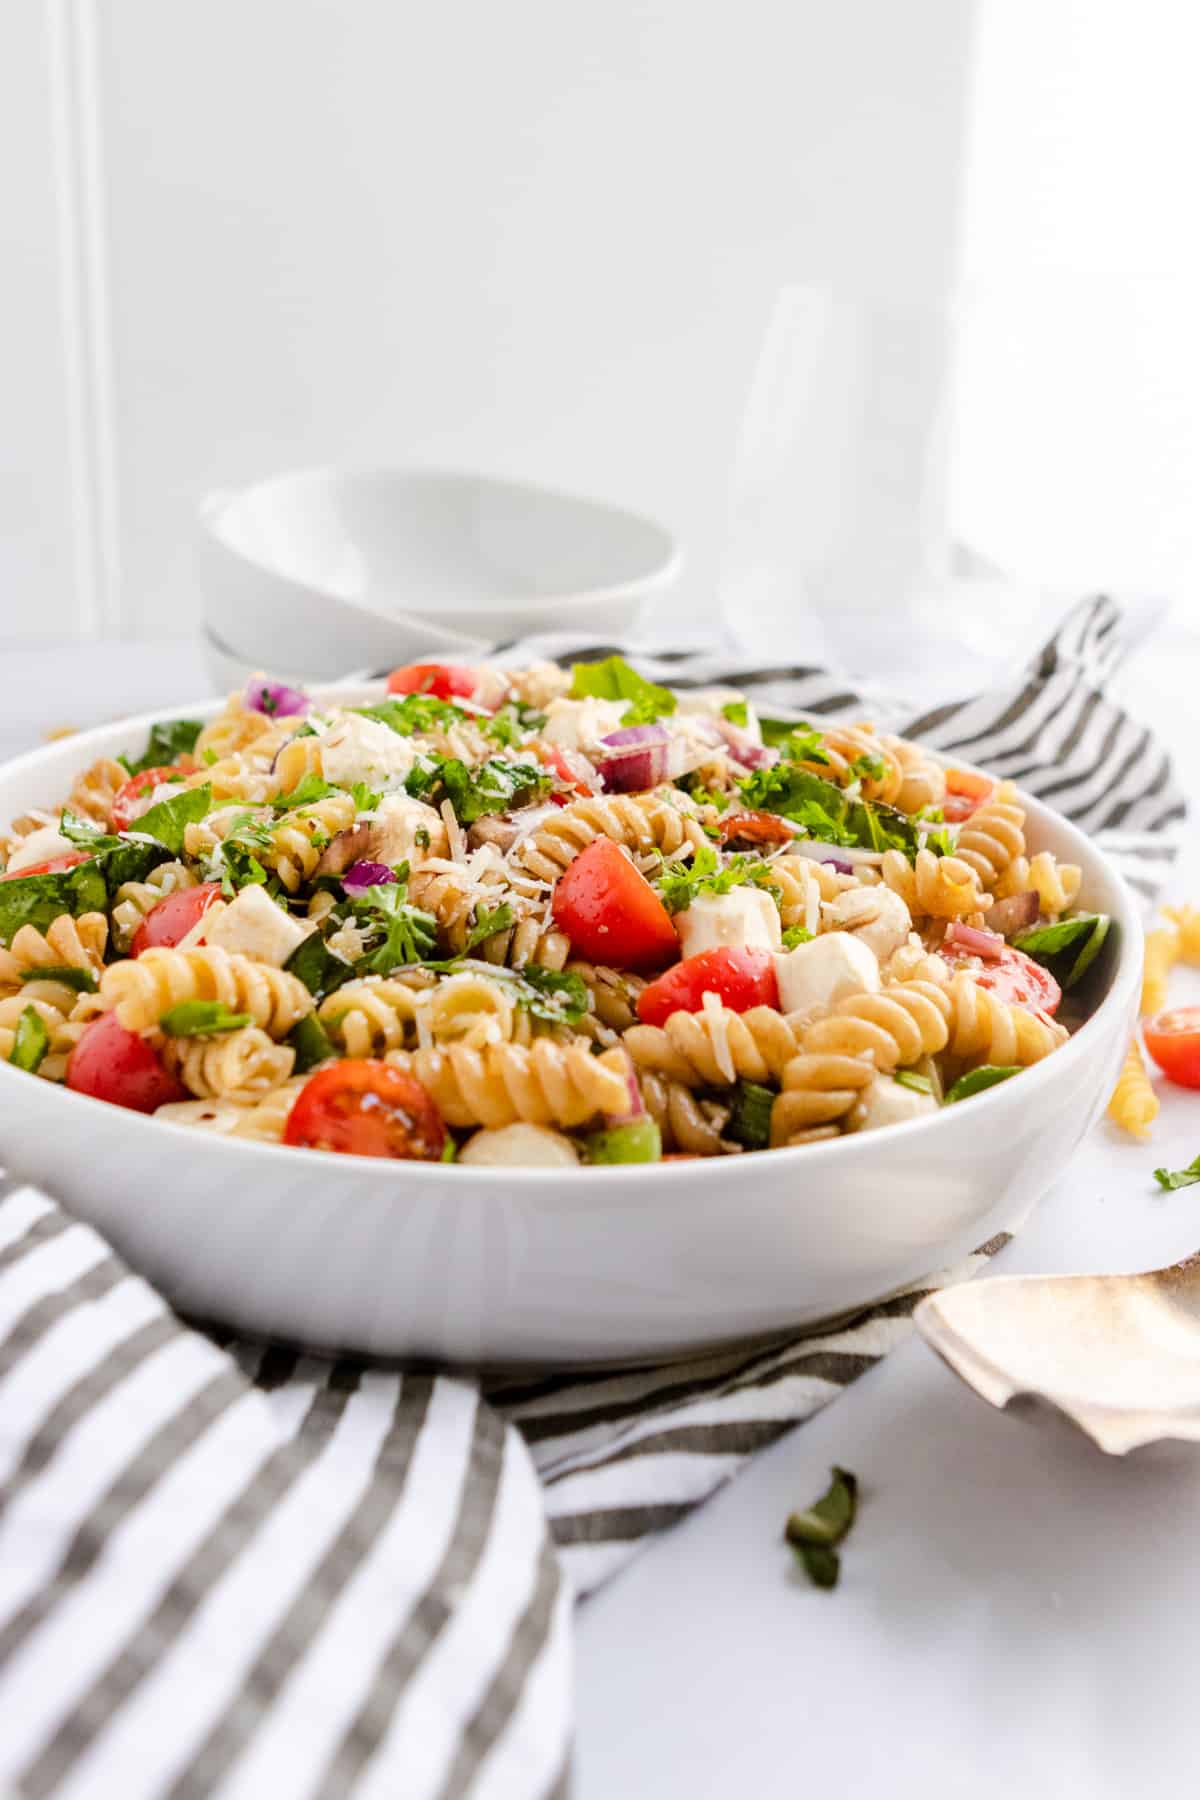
x,y
679,886
693,786
868,768
795,739
559,997
826,812
613,679
397,932
169,740
737,712
512,724
495,786
488,921
415,712
796,934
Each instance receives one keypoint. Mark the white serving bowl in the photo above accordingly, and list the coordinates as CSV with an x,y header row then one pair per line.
x,y
329,569
550,1266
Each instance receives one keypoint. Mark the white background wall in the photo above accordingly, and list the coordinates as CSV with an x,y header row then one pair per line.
x,y
540,237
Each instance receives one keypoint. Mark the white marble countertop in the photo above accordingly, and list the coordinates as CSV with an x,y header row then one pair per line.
x,y
1017,1613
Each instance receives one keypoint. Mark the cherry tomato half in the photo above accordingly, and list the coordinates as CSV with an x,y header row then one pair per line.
x,y
56,864
1173,1040
740,978
116,1065
754,828
611,913
1011,976
965,792
168,923
445,681
132,800
366,1108
554,759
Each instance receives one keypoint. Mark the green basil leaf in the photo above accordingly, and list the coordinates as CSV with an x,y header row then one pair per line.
x,y
311,1042
84,833
492,787
488,921
750,1115
1082,935
88,887
827,812
613,679
169,740
202,1018
67,975
1178,1178
920,1084
31,1041
976,1080
313,963
168,820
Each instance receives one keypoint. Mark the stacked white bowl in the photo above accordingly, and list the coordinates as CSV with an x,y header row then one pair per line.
x,y
324,571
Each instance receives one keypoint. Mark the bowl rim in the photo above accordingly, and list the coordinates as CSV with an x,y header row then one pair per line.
x,y
1004,1095
666,567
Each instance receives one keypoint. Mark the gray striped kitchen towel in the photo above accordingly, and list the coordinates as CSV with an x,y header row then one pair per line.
x,y
242,1571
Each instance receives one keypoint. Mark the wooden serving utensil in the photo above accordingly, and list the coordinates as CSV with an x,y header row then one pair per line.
x,y
1118,1355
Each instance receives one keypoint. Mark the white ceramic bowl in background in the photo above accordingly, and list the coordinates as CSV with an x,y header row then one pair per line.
x,y
327,569
554,1266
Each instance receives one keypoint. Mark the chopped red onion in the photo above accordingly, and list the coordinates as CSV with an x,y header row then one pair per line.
x,y
745,748
274,698
636,1108
364,875
838,863
1014,913
639,758
979,943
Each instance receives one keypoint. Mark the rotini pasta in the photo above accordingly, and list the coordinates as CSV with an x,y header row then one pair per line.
x,y
1162,953
1134,1103
397,920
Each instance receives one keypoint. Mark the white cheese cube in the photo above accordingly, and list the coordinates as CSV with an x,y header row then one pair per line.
x,y
828,969
357,749
577,723
519,1147
398,820
253,925
746,919
39,846
889,1102
876,916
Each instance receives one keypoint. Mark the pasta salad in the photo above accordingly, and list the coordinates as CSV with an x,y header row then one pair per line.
x,y
536,916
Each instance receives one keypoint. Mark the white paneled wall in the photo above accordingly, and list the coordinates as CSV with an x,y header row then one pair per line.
x,y
539,237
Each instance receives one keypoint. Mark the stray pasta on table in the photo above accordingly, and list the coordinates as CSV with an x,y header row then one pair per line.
x,y
534,916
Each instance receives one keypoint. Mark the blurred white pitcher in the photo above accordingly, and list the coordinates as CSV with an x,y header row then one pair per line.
x,y
838,506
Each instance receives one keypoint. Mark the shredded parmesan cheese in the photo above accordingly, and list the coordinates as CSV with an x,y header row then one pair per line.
x,y
812,905
454,833
714,1016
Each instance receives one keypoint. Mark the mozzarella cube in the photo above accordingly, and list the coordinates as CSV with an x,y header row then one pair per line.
x,y
576,723
746,919
876,916
253,925
398,820
519,1147
39,846
357,749
889,1102
829,969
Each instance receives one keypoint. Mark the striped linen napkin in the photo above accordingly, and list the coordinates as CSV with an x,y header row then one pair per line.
x,y
234,1570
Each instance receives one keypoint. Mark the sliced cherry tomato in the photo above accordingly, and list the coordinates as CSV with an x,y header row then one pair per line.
x,y
54,866
168,923
1173,1040
740,979
132,800
445,681
965,792
116,1065
611,913
754,828
366,1108
1011,976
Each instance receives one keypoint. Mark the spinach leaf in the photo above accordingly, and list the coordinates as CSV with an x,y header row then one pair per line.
x,y
202,1018
750,1115
168,820
311,1042
827,812
313,963
613,679
976,1080
169,740
31,1041
309,789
